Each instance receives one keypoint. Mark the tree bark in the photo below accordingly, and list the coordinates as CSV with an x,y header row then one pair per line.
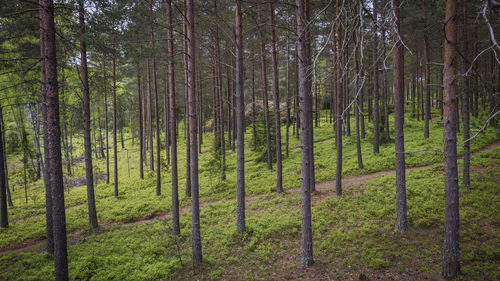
x,y
240,125
195,207
186,99
451,247
51,99
277,126
306,128
398,61
89,175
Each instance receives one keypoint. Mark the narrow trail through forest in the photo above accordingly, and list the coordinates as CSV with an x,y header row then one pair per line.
x,y
80,235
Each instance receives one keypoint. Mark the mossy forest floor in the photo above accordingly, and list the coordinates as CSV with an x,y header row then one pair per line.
x,y
354,235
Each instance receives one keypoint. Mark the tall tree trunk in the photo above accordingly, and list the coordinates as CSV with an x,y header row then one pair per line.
x,y
51,102
386,92
375,81
46,180
106,127
89,175
150,120
166,119
427,76
306,128
465,96
173,136
254,129
115,142
186,113
451,247
4,220
240,125
141,123
398,61
157,116
338,120
276,86
287,136
195,206
264,91
357,101
4,156
220,104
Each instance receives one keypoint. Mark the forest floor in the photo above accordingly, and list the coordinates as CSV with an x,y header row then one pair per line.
x,y
353,234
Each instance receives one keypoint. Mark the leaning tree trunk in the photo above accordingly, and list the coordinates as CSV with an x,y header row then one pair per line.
x,y
89,176
398,61
306,128
240,125
451,247
276,86
51,102
195,206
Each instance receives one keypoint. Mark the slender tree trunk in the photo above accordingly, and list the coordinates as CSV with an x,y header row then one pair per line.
x,y
277,126
254,129
287,136
427,76
195,207
375,81
338,120
264,91
240,125
89,176
166,119
51,99
106,127
115,142
186,114
157,116
451,247
357,101
306,136
173,121
141,123
220,104
398,61
385,92
150,121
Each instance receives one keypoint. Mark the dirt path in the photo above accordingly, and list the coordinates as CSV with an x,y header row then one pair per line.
x,y
79,235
